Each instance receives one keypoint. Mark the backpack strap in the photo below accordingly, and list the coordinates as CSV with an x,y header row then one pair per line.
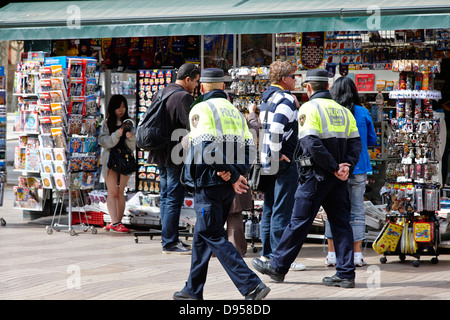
x,y
168,94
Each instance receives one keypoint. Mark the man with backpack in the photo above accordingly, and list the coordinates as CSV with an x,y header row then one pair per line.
x,y
176,116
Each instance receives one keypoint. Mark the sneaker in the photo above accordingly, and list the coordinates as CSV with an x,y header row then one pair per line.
x,y
259,293
177,249
359,261
107,227
297,266
120,228
335,281
330,261
186,245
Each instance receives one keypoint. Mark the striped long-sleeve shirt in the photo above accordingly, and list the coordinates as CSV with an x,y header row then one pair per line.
x,y
279,134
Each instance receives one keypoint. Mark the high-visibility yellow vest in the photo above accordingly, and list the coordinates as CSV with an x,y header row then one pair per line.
x,y
326,118
219,121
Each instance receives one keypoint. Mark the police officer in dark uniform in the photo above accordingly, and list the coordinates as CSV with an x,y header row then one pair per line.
x,y
220,151
329,147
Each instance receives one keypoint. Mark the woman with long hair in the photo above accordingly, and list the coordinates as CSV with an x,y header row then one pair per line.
x,y
115,135
345,93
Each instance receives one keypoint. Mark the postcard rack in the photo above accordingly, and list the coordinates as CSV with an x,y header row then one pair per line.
x,y
69,125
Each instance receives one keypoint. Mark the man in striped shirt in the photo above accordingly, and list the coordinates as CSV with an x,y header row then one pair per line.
x,y
277,146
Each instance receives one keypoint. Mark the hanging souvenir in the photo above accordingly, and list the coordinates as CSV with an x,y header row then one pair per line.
x,y
312,49
331,68
343,69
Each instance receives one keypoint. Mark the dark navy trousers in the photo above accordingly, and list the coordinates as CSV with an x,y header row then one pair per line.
x,y
332,195
212,205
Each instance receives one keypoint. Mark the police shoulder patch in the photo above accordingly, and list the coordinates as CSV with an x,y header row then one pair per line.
x,y
194,120
302,119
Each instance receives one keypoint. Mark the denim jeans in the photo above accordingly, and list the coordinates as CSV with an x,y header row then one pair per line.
x,y
277,209
356,188
172,196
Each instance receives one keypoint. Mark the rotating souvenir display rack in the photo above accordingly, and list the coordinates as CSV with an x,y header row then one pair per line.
x,y
247,86
69,120
411,191
29,194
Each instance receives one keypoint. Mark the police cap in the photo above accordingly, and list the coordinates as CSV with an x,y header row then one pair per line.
x,y
316,75
212,75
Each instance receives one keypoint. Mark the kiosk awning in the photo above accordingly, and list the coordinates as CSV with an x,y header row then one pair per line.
x,y
138,18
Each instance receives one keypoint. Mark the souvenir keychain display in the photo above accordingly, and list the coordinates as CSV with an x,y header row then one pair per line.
x,y
411,192
247,86
149,81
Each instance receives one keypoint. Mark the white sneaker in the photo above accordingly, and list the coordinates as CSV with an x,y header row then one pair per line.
x,y
330,261
264,259
297,266
359,261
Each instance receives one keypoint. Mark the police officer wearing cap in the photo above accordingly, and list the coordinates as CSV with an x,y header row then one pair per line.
x,y
220,152
328,150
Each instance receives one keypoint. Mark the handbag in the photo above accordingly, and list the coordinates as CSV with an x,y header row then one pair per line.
x,y
257,181
121,161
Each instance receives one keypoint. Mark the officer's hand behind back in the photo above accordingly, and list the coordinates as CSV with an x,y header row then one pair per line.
x,y
240,186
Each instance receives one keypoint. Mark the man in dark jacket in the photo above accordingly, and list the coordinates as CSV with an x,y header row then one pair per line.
x,y
329,150
172,192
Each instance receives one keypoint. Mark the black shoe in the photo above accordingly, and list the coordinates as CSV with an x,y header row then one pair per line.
x,y
264,267
335,281
259,293
181,295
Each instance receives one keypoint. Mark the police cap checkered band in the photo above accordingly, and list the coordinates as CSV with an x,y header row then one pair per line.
x,y
212,75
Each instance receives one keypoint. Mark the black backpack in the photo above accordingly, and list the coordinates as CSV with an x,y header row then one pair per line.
x,y
151,132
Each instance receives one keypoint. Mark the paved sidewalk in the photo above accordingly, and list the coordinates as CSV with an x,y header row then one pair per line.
x,y
104,266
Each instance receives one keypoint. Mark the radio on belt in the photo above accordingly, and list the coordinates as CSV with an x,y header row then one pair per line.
x,y
305,161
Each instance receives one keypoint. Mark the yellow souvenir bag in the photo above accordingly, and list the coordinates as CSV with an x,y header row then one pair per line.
x,y
388,238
